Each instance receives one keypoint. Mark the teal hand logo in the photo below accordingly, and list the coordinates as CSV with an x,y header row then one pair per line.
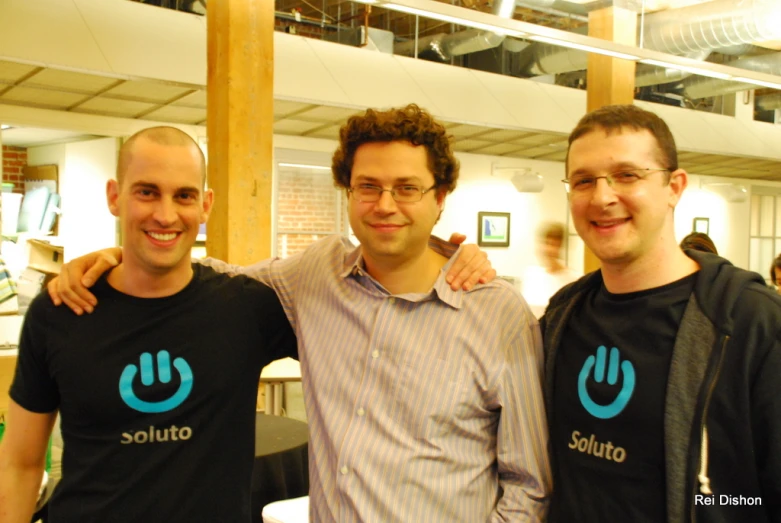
x,y
598,364
148,378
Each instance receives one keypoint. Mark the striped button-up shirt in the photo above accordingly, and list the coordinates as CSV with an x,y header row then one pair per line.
x,y
421,407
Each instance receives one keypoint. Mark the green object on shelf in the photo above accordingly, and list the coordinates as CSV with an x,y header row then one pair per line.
x,y
8,187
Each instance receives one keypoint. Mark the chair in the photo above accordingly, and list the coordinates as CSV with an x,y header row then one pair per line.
x,y
294,510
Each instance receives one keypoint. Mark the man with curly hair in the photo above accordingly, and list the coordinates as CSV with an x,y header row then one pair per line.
x,y
424,403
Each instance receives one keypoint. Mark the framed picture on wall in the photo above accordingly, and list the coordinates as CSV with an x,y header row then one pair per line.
x,y
701,225
493,229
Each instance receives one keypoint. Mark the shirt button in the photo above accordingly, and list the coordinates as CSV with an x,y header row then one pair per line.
x,y
361,412
344,470
375,354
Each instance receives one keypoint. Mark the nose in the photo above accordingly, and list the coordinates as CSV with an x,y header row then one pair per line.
x,y
165,212
386,204
603,194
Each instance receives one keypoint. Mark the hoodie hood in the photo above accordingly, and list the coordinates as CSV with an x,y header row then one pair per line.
x,y
719,284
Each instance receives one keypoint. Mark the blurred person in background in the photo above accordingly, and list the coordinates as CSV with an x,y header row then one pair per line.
x,y
775,273
540,282
699,241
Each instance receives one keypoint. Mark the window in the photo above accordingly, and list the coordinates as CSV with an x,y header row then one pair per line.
x,y
764,229
308,206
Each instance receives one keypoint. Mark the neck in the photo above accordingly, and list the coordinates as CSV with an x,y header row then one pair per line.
x,y
406,276
553,265
653,270
142,283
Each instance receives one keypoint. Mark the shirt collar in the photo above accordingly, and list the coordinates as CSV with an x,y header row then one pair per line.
x,y
354,266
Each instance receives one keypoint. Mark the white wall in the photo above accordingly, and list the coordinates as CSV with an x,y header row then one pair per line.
x,y
478,191
86,224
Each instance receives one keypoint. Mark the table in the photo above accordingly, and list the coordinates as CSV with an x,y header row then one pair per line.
x,y
281,469
274,376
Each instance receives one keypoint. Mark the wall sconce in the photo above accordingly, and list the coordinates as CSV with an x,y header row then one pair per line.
x,y
522,178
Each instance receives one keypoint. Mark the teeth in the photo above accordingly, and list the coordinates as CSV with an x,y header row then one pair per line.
x,y
163,237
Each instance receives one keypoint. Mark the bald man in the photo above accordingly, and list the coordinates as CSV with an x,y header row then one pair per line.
x,y
157,387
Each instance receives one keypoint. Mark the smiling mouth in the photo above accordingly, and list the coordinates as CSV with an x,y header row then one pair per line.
x,y
609,223
163,237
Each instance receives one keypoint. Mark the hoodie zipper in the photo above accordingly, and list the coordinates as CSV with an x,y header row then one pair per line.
x,y
700,471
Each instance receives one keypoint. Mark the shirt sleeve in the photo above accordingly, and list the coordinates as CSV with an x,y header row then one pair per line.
x,y
34,387
522,438
272,322
282,275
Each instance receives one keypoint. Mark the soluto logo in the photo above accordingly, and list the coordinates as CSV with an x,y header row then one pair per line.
x,y
164,375
599,365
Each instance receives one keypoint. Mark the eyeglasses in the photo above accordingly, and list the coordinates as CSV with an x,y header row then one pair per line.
x,y
368,193
619,181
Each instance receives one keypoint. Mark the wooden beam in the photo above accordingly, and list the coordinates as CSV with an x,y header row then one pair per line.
x,y
240,117
609,80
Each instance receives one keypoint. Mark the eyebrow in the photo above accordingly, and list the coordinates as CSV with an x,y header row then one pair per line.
x,y
150,185
398,181
619,166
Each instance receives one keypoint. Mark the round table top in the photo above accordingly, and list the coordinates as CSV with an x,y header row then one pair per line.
x,y
275,434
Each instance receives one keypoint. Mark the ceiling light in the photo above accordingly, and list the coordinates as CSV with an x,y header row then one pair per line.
x,y
506,8
306,166
453,19
689,69
582,47
772,85
4,127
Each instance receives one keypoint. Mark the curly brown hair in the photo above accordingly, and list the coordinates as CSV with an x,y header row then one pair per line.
x,y
409,124
616,118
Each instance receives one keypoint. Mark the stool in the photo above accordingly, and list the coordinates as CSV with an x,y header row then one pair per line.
x,y
294,510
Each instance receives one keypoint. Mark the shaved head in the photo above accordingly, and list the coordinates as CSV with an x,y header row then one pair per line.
x,y
163,135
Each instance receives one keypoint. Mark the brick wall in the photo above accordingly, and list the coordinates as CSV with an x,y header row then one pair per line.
x,y
14,158
307,202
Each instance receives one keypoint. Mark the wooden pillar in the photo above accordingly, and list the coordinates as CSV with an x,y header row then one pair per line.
x,y
240,108
609,80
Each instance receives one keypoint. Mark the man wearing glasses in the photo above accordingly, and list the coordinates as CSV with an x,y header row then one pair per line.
x,y
424,403
662,368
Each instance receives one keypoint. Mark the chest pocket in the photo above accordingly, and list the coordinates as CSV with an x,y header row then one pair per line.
x,y
429,391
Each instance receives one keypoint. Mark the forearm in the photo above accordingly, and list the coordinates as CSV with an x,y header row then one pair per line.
x,y
19,487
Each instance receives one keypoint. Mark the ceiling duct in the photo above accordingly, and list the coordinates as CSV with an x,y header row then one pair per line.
x,y
711,25
442,47
704,87
652,75
769,102
723,26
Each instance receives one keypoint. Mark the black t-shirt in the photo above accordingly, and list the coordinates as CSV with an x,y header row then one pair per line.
x,y
157,398
608,405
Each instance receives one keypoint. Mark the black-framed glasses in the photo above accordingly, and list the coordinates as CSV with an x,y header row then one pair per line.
x,y
619,180
368,193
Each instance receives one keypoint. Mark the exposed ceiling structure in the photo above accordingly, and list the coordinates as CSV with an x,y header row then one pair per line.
x,y
48,88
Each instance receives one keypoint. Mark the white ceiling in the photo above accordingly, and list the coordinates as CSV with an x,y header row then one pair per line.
x,y
32,136
48,88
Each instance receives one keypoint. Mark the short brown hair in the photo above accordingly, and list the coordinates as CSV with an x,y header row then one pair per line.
x,y
699,241
161,135
776,265
409,124
615,118
551,231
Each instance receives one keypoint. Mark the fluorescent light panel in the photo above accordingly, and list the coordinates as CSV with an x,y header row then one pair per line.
x,y
688,69
4,127
452,19
582,47
772,85
306,166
